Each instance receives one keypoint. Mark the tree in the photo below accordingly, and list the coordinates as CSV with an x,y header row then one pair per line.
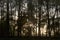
x,y
47,1
19,18
40,4
7,19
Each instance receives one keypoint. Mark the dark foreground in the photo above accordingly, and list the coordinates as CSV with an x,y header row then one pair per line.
x,y
30,38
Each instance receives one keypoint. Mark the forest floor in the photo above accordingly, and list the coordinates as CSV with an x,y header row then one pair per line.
x,y
30,38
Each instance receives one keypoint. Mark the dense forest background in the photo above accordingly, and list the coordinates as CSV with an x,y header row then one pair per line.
x,y
30,18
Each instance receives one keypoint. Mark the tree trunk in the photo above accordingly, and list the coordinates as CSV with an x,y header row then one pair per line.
x,y
48,17
40,3
19,19
7,20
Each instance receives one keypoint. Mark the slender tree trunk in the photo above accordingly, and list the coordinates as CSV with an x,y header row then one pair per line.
x,y
2,21
11,31
7,19
40,3
57,17
1,24
19,19
48,17
57,14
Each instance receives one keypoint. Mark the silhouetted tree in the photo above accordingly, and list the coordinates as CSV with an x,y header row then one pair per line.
x,y
19,17
47,1
40,4
7,20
